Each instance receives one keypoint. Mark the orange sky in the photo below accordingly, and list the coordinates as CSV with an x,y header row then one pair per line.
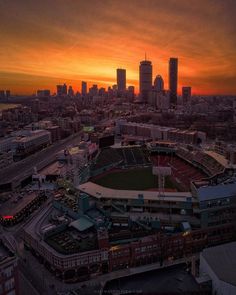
x,y
47,42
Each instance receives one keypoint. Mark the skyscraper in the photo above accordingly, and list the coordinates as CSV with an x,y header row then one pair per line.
x,y
159,83
8,93
70,91
2,94
173,79
121,80
186,94
145,79
43,92
93,91
62,89
84,88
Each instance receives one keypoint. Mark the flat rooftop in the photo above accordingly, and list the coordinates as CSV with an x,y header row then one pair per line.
x,y
15,204
99,192
222,260
220,191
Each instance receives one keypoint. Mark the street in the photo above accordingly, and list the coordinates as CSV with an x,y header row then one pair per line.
x,y
20,170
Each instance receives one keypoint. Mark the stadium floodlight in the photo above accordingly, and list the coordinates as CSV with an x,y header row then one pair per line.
x,y
161,172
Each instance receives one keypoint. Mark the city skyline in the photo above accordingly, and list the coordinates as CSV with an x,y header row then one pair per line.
x,y
117,147
50,43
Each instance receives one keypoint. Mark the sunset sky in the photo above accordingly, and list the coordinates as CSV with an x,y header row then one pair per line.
x,y
47,42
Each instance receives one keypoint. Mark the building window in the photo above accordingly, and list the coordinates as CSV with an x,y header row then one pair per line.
x,y
8,272
9,284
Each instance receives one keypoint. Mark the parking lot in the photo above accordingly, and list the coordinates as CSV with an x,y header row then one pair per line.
x,y
18,205
16,202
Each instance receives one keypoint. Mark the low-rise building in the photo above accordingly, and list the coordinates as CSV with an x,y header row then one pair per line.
x,y
9,281
27,142
219,264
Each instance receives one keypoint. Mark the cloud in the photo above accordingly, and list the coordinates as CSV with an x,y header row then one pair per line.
x,y
89,39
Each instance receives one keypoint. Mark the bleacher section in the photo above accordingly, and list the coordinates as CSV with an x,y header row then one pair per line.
x,y
208,163
182,172
125,156
107,157
186,166
133,156
202,160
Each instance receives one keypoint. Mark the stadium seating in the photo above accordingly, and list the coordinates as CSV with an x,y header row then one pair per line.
x,y
133,156
209,164
202,160
107,157
128,156
182,171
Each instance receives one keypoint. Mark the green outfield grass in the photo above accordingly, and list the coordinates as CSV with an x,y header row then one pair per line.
x,y
132,179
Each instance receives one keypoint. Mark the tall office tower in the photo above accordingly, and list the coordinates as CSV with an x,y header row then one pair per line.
x,y
62,89
43,92
102,91
71,91
8,93
59,90
145,79
186,94
158,83
121,80
84,88
173,79
93,91
2,94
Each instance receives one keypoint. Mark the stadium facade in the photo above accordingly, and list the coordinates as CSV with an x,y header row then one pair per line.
x,y
91,229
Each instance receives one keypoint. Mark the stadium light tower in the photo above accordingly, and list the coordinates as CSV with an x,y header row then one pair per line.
x,y
161,172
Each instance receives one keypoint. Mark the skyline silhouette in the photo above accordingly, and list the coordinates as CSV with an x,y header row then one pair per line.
x,y
53,42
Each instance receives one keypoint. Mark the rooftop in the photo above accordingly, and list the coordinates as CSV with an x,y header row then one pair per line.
x,y
222,260
81,224
99,192
219,191
16,203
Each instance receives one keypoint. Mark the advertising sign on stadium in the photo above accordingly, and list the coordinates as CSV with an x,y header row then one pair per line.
x,y
158,170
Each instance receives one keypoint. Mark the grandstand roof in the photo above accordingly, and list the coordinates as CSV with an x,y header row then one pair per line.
x,y
171,143
219,191
219,158
99,192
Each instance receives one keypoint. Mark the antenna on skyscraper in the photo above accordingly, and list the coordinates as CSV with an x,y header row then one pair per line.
x,y
145,56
